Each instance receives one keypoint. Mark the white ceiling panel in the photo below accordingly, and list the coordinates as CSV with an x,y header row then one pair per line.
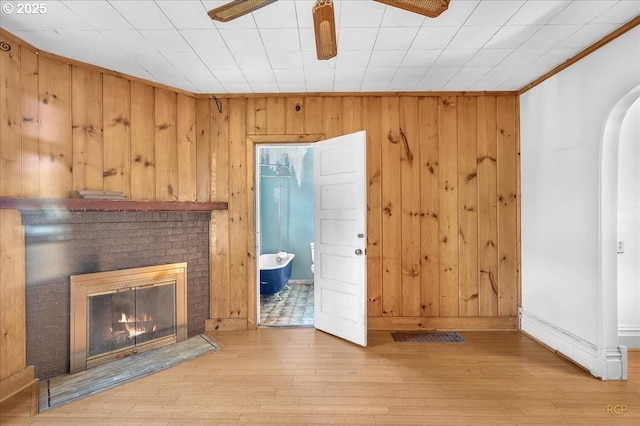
x,y
143,14
581,11
474,45
166,40
512,36
472,36
434,38
132,39
186,14
620,13
420,58
386,58
99,15
280,39
488,57
493,12
455,57
204,40
587,35
285,60
549,36
538,12
395,38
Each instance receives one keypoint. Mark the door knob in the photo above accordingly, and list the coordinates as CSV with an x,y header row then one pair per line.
x,y
359,252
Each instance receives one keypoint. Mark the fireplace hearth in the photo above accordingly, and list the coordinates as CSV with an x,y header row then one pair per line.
x,y
120,313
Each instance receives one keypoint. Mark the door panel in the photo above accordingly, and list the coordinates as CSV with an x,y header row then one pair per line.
x,y
340,285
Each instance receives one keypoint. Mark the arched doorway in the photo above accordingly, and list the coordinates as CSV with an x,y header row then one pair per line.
x,y
614,359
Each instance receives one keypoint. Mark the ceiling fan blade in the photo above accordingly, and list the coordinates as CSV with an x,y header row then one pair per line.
x,y
324,25
430,8
236,9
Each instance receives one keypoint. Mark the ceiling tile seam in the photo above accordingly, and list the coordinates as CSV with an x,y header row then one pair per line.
x,y
213,74
505,24
366,70
447,46
541,26
193,84
295,8
264,48
149,72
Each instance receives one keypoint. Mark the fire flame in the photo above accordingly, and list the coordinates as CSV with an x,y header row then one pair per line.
x,y
137,325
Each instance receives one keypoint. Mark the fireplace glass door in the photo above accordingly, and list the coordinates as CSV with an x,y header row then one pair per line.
x,y
126,318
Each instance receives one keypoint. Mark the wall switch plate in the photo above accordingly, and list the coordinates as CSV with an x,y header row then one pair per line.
x,y
620,247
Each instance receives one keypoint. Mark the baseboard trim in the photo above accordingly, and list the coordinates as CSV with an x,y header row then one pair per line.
x,y
604,363
629,336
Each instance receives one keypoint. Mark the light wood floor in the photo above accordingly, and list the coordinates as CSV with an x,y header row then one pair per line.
x,y
302,376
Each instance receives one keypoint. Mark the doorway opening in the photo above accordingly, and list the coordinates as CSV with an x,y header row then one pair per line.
x,y
285,234
628,229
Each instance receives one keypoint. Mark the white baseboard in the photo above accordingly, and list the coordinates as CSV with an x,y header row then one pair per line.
x,y
629,336
605,363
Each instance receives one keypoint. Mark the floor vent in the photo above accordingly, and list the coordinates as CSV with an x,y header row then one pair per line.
x,y
428,337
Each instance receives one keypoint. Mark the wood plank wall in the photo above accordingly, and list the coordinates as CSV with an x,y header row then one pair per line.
x,y
442,171
67,126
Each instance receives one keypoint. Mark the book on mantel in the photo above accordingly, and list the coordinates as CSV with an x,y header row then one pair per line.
x,y
101,195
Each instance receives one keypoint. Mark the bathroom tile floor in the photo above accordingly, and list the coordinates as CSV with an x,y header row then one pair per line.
x,y
293,306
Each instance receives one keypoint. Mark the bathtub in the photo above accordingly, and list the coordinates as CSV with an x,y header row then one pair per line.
x,y
274,275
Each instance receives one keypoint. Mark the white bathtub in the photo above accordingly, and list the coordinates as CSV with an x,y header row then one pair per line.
x,y
275,271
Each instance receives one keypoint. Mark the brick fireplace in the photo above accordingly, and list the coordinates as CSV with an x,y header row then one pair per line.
x,y
60,244
120,313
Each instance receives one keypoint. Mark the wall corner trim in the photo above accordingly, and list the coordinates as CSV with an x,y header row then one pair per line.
x,y
604,363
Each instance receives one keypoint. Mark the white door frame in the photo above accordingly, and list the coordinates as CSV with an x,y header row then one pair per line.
x,y
253,282
613,358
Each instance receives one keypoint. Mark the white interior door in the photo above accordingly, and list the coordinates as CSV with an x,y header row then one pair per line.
x,y
340,197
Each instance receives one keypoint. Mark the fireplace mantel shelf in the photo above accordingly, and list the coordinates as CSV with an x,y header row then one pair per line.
x,y
80,204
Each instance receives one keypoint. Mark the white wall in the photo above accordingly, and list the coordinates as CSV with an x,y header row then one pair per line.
x,y
561,122
629,229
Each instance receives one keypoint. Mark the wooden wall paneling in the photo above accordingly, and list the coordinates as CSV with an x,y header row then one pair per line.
x,y
251,268
54,133
203,149
487,208
219,243
166,145
275,115
448,205
186,130
518,208
117,134
371,116
86,116
10,122
294,115
257,116
507,206
429,206
332,116
313,107
143,146
12,294
468,205
220,152
410,206
30,124
391,208
238,226
351,114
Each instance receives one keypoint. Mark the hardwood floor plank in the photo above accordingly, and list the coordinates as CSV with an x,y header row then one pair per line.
x,y
302,376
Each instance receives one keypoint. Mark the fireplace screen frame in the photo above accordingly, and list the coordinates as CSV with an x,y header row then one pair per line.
x,y
88,285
